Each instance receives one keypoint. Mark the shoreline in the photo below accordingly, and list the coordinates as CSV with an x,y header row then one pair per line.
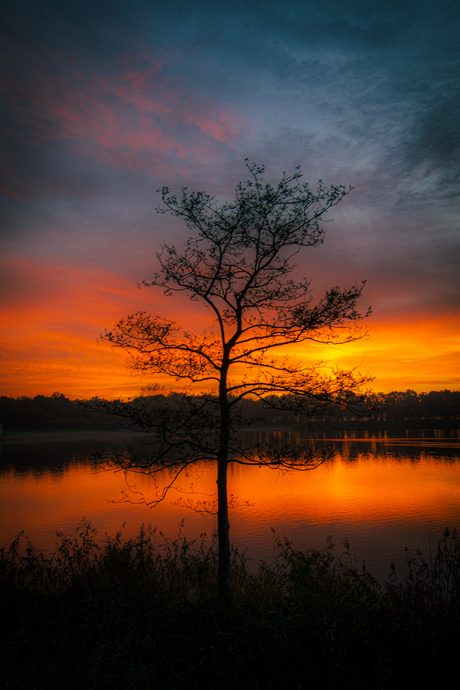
x,y
68,435
75,435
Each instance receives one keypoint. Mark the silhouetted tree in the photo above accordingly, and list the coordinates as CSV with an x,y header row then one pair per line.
x,y
238,263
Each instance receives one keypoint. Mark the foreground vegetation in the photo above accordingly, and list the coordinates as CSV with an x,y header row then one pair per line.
x,y
145,613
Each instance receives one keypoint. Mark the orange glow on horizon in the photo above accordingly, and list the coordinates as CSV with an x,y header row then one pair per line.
x,y
50,331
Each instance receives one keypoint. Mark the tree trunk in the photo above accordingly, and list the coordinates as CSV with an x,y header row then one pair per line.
x,y
223,530
223,525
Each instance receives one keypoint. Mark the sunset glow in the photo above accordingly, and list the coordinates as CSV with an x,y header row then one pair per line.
x,y
101,112
50,327
229,343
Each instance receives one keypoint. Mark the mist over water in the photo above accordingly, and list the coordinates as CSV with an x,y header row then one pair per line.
x,y
382,493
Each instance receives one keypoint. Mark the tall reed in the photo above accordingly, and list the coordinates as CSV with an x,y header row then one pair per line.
x,y
144,612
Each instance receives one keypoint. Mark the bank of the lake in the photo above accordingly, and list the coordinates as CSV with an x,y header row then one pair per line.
x,y
67,436
145,613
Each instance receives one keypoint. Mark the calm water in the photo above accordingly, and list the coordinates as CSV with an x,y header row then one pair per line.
x,y
382,493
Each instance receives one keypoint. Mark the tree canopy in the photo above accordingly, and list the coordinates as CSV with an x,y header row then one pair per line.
x,y
239,263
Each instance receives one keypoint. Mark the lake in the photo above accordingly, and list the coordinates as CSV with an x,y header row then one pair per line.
x,y
382,492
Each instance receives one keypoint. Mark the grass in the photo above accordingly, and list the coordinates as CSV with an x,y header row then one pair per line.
x,y
145,613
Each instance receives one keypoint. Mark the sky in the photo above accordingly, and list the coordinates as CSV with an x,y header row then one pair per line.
x,y
104,102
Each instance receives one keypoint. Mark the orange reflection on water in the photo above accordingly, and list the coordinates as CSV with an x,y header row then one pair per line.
x,y
43,502
365,490
368,491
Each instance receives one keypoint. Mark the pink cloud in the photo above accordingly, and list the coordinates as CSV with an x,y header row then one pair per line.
x,y
132,120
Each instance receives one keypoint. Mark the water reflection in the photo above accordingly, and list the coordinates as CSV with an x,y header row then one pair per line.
x,y
381,492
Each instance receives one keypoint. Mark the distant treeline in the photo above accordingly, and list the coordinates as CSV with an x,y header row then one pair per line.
x,y
436,409
408,408
54,412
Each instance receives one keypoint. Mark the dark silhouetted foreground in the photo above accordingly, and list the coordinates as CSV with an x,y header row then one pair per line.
x,y
145,613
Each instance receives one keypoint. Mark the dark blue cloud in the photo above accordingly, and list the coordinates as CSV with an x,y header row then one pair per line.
x,y
105,101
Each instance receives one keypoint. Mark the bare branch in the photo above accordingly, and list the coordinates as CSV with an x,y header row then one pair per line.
x,y
238,263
